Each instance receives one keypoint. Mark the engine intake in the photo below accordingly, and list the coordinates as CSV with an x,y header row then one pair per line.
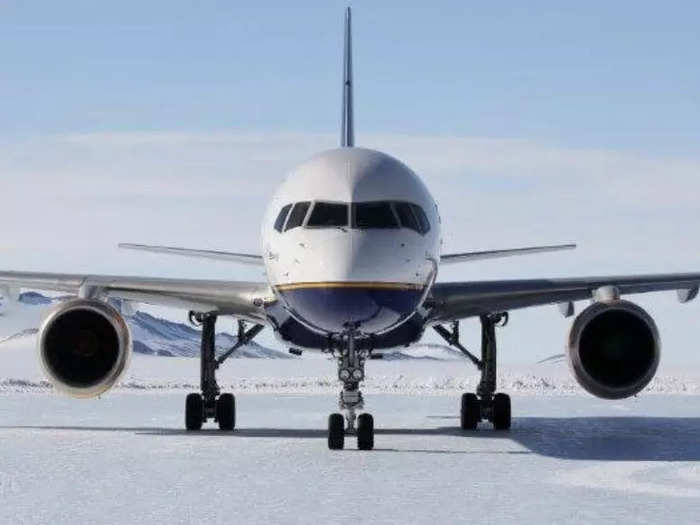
x,y
84,346
614,349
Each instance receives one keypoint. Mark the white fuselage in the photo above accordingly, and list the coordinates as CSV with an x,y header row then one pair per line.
x,y
360,275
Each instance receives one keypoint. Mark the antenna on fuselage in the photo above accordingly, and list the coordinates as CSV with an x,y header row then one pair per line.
x,y
347,130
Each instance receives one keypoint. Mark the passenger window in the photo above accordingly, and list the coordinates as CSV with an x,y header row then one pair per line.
x,y
297,216
328,214
373,215
407,217
279,222
422,219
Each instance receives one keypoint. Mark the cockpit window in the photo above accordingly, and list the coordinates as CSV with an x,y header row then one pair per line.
x,y
297,216
279,222
328,214
408,219
369,215
422,219
365,216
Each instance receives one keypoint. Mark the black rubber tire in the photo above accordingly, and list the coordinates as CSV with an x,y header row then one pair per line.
x,y
501,412
194,412
470,414
365,432
336,432
226,411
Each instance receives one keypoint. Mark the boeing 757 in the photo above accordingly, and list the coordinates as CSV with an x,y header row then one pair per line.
x,y
351,245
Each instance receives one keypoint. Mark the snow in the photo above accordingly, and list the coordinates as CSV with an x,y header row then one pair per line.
x,y
125,458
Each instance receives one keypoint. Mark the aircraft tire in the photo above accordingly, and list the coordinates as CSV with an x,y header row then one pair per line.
x,y
194,412
501,412
226,411
336,432
365,432
470,414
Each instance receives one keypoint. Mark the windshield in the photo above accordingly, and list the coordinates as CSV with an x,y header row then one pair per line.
x,y
364,216
328,214
279,222
296,218
368,215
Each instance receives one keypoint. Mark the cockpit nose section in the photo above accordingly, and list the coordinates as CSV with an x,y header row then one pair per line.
x,y
352,242
368,280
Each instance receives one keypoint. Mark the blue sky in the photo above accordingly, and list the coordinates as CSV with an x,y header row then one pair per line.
x,y
531,123
616,75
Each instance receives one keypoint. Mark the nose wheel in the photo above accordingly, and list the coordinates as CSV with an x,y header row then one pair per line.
x,y
351,370
364,432
336,431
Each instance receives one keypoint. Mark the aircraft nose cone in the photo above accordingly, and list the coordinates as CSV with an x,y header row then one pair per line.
x,y
335,306
357,280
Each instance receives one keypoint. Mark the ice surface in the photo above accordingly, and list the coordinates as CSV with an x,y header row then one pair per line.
x,y
126,459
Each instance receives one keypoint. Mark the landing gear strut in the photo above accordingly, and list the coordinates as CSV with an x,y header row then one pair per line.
x,y
211,403
485,404
351,371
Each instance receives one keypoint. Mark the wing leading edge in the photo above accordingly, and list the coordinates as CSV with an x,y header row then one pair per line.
x,y
497,254
241,299
243,258
452,301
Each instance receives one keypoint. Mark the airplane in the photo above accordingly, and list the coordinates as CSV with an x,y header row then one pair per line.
x,y
352,248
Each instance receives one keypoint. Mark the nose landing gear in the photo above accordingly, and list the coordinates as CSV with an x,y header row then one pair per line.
x,y
351,371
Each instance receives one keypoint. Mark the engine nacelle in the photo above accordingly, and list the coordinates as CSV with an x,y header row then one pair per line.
x,y
614,349
84,346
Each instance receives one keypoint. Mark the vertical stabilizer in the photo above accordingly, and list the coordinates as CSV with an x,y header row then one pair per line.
x,y
347,131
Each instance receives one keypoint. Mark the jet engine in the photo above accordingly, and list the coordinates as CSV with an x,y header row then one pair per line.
x,y
614,349
84,346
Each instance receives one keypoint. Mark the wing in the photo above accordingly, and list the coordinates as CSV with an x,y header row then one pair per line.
x,y
241,299
452,301
496,254
243,258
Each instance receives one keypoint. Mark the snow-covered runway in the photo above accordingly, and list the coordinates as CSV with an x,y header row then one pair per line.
x,y
126,459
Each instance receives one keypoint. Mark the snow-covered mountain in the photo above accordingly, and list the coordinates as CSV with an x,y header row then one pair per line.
x,y
152,335
156,336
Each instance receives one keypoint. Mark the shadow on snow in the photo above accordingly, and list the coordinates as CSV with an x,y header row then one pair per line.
x,y
581,438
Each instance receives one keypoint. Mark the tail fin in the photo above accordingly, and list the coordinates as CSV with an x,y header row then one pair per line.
x,y
347,131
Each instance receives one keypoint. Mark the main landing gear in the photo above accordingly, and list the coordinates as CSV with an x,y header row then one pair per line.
x,y
485,404
351,371
211,404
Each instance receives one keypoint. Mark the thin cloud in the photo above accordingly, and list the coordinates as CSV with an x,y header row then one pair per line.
x,y
67,200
